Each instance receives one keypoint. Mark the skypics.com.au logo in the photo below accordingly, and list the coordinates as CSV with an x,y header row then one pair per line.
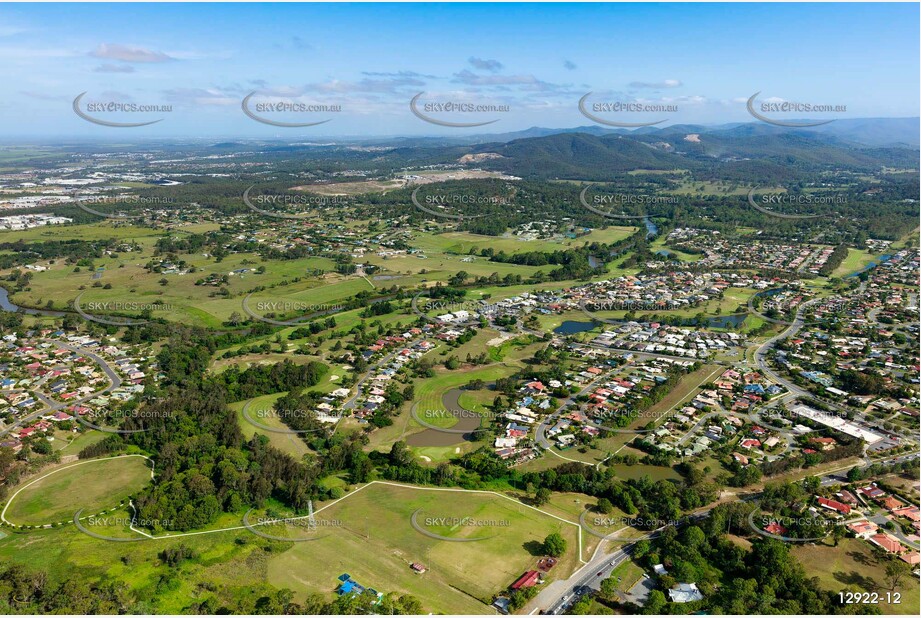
x,y
458,314
616,111
775,200
309,527
95,110
446,113
622,529
459,527
141,200
133,418
604,204
271,111
470,419
780,106
269,310
258,415
272,205
90,311
441,204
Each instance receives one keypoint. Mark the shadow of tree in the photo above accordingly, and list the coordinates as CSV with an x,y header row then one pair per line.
x,y
535,548
862,558
857,579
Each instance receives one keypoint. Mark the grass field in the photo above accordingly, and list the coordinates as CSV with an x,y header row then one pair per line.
x,y
429,392
230,565
286,442
430,407
73,443
92,485
463,242
852,565
376,543
856,260
122,278
703,187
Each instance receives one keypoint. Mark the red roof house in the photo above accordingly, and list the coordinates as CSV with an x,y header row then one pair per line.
x,y
527,580
834,505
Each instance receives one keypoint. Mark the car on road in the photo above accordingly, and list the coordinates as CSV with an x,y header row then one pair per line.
x,y
598,574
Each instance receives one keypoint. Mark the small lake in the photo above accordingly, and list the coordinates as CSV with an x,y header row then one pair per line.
x,y
726,321
651,229
571,327
465,422
771,292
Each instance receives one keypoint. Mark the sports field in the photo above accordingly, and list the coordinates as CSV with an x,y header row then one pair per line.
x,y
93,485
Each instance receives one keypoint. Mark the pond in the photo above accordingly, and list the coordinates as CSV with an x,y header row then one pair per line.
x,y
571,327
725,321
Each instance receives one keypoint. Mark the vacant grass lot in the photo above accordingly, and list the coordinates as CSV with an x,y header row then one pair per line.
x,y
290,443
229,564
463,242
377,542
55,495
853,565
856,260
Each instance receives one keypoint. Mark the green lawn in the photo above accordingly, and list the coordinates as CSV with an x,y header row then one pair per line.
x,y
289,443
73,443
96,484
856,260
853,565
377,542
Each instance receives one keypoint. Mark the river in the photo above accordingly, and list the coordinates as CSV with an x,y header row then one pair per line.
x,y
6,305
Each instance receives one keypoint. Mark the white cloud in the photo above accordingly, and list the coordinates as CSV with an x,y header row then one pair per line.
x,y
128,53
481,64
665,83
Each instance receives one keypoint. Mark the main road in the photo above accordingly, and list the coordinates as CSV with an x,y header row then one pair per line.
x,y
557,596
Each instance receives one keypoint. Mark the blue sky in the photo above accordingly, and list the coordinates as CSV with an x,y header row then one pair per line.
x,y
705,60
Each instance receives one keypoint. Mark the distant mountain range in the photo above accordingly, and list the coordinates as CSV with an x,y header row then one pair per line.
x,y
748,152
770,153
868,132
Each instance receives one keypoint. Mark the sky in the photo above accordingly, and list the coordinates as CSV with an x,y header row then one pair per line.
x,y
529,64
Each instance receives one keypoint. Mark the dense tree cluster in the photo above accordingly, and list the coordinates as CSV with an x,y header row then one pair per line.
x,y
765,579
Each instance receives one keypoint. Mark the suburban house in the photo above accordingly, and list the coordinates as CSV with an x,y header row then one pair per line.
x,y
685,593
833,505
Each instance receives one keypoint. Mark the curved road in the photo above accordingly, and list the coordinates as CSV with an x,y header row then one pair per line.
x,y
51,406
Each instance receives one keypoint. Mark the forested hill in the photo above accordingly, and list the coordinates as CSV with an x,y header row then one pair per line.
x,y
592,157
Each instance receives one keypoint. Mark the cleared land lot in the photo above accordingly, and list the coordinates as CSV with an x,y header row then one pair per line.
x,y
377,542
91,485
853,565
290,443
